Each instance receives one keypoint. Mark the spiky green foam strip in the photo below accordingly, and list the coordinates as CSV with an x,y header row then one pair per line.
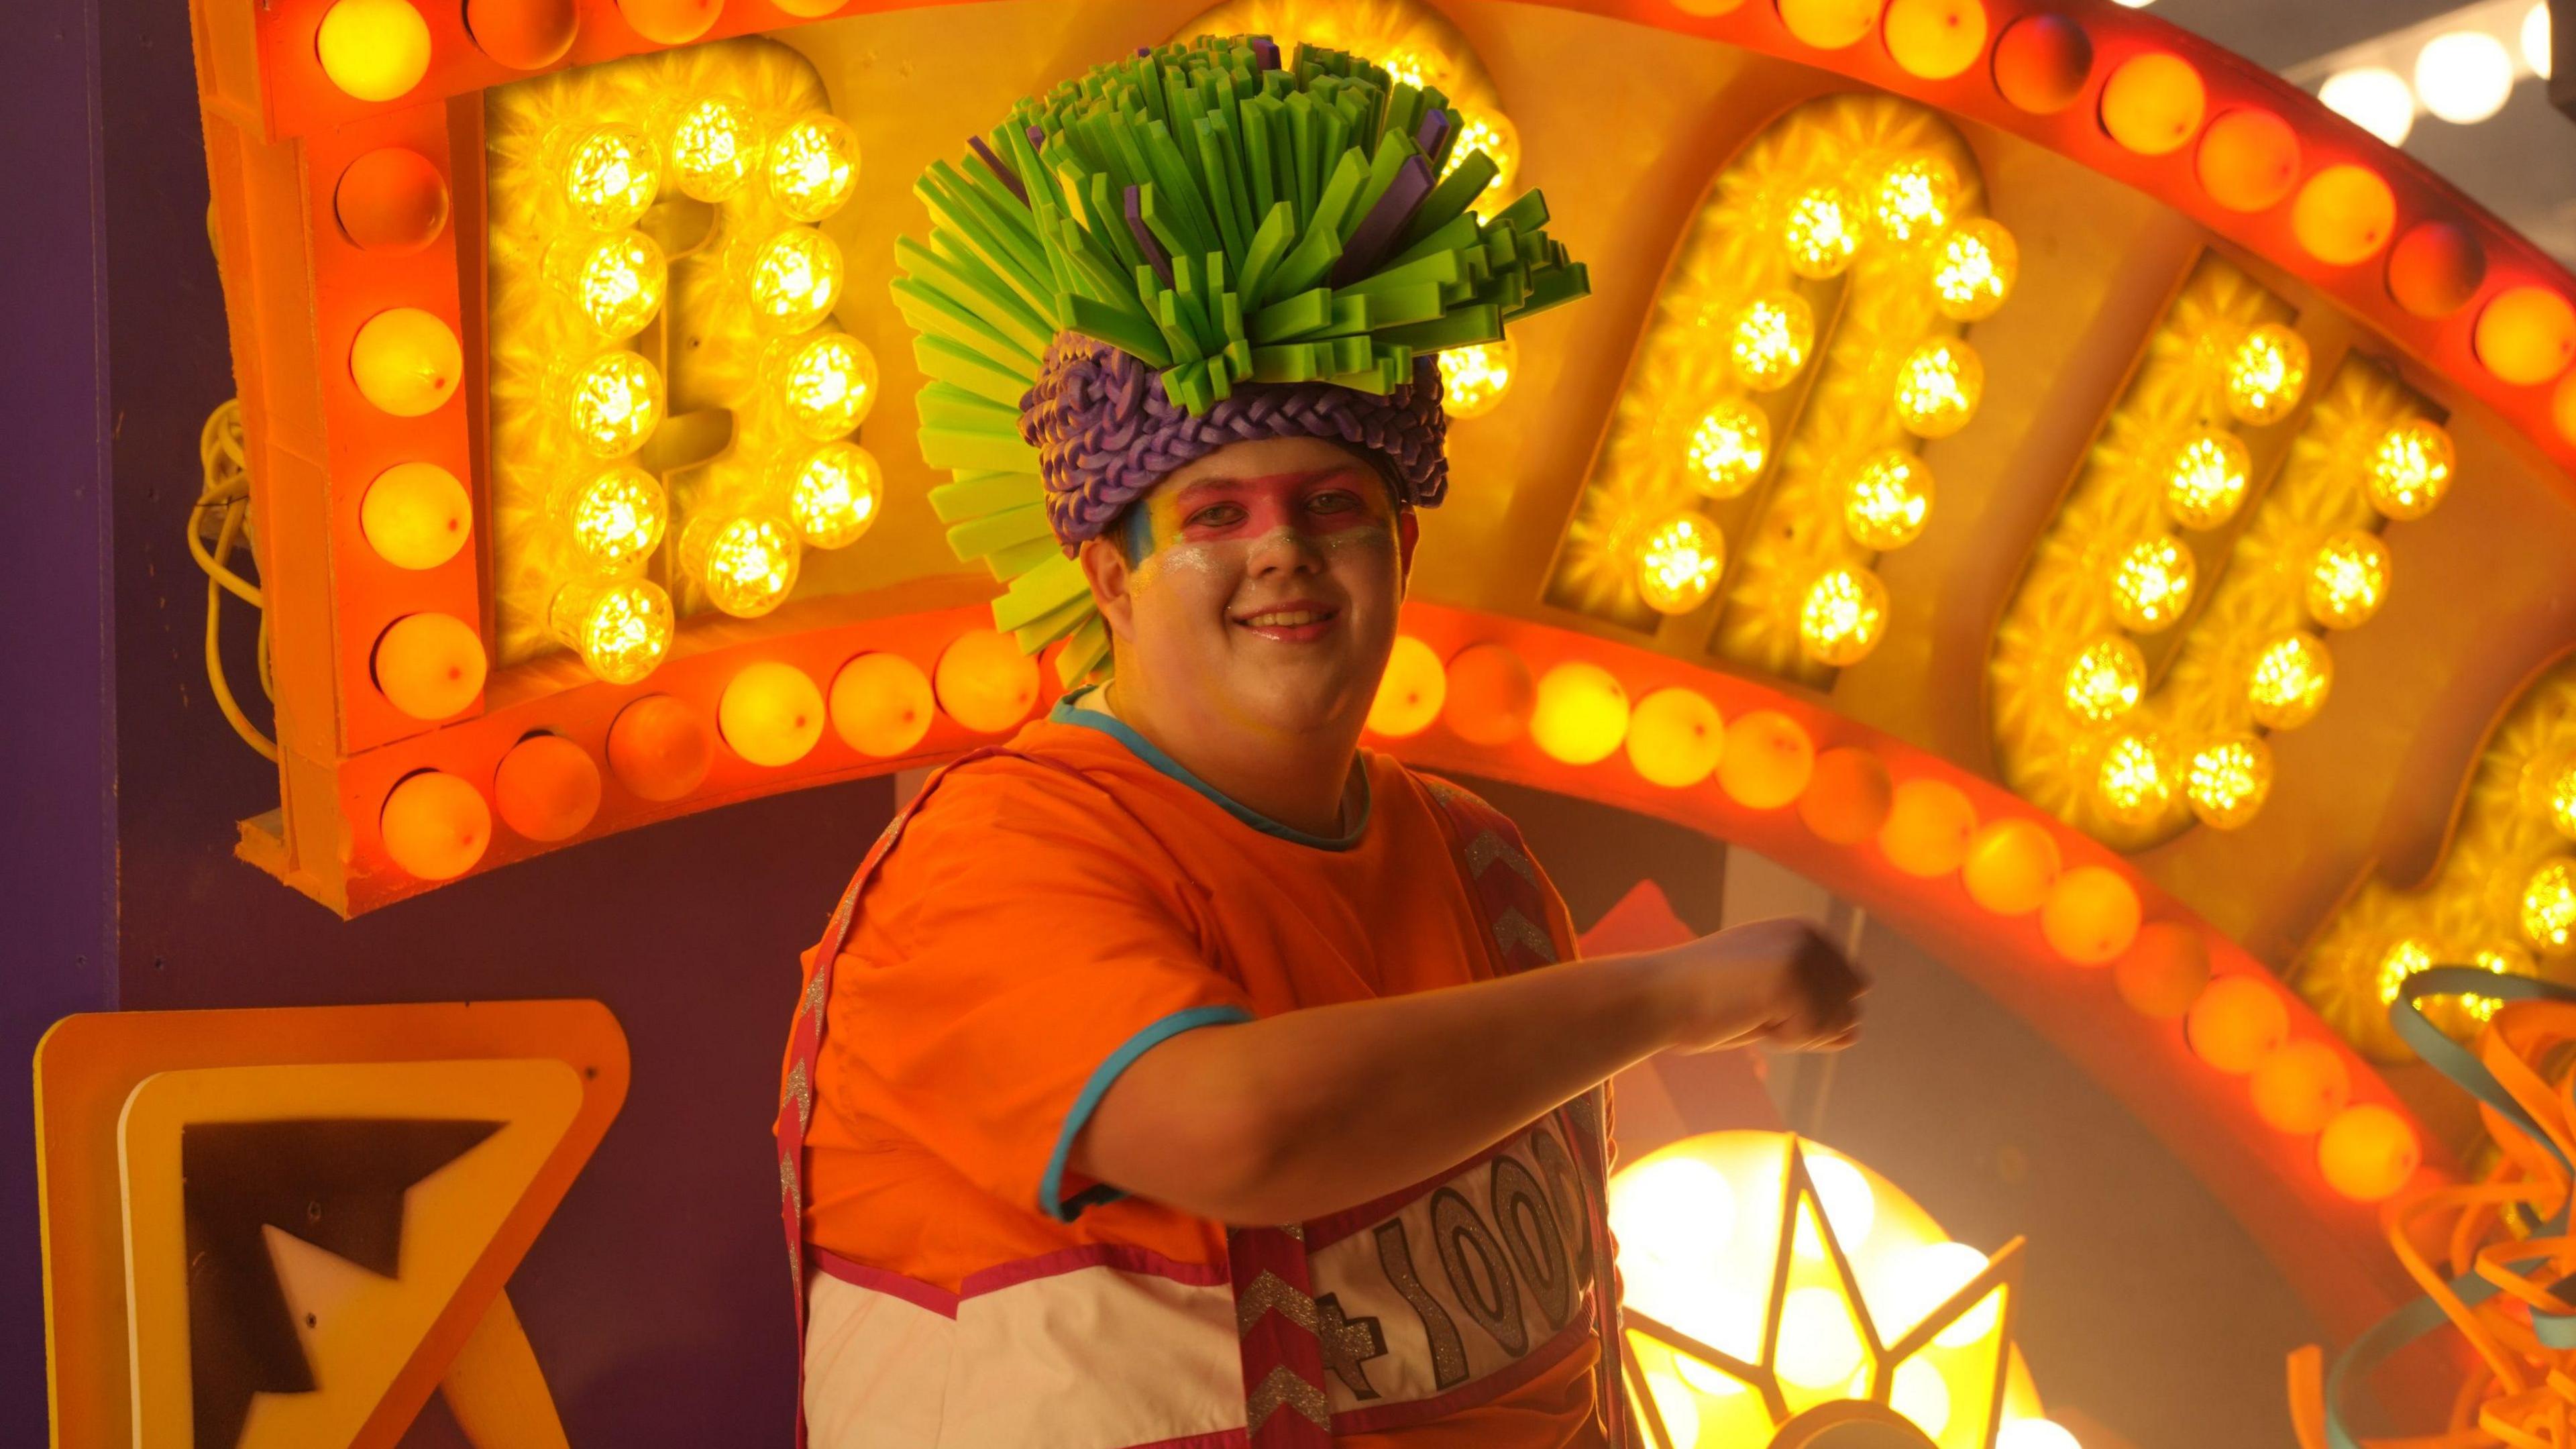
x,y
1220,218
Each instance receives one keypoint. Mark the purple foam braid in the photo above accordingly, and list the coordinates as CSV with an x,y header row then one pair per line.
x,y
1105,433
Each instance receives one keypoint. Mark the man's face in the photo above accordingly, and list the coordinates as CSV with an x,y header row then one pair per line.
x,y
1261,582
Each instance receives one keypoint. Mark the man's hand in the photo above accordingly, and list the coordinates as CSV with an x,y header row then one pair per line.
x,y
1780,983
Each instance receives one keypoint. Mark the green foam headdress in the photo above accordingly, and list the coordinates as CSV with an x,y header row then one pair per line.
x,y
1227,230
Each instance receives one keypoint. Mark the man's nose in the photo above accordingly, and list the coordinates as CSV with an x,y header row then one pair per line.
x,y
1286,549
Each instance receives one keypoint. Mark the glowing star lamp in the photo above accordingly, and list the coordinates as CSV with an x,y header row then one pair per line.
x,y
985,682
1848,795
2368,1152
1929,824
881,705
2300,1087
2091,915
1492,695
2163,972
2235,1023
430,665
2011,867
547,788
660,748
1410,692
406,362
416,515
1675,737
435,826
1581,714
373,50
1767,762
771,714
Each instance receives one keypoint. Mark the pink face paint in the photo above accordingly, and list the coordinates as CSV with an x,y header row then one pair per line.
x,y
1216,529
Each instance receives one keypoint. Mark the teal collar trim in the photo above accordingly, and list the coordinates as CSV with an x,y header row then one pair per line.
x,y
1070,710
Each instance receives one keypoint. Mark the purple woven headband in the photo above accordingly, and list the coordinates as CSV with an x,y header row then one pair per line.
x,y
1106,434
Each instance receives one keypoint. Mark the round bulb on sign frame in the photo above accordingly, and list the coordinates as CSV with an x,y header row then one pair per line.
x,y
2105,680
713,146
615,518
1729,448
611,174
812,166
1474,378
416,515
1821,231
1842,616
1938,387
2206,479
1974,269
827,384
2151,584
622,630
2348,579
2464,77
794,279
613,403
1679,561
1888,501
2373,97
2410,469
2266,373
2289,680
834,495
615,282
2134,782
1770,339
747,564
1913,199
2227,781
373,50
406,361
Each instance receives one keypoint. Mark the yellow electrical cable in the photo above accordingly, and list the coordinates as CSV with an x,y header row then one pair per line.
x,y
224,501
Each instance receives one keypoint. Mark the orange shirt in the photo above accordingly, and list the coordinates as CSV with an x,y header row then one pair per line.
x,y
1028,937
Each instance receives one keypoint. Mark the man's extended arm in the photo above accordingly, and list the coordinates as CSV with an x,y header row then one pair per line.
x,y
1309,1112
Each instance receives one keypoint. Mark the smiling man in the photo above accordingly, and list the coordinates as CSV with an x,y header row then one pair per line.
x,y
1193,1076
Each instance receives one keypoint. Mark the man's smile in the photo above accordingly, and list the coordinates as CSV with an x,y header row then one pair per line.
x,y
1297,621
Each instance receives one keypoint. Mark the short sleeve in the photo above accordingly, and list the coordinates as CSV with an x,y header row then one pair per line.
x,y
1021,946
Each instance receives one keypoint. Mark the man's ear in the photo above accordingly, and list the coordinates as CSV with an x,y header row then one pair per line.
x,y
1104,565
1408,532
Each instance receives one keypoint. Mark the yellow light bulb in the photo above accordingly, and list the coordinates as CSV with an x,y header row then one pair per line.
x,y
2410,470
2562,801
1769,339
827,384
2134,782
794,278
621,630
1938,387
2348,579
812,166
375,50
1888,500
610,175
2205,480
2504,959
616,282
2398,962
713,145
1678,563
1474,378
2289,681
406,361
2105,680
1729,448
2266,373
1974,269
2151,584
1914,197
1842,616
615,518
1821,231
1495,135
416,515
613,403
746,564
2228,781
835,495
2549,906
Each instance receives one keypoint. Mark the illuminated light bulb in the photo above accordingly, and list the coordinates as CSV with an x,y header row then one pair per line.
x,y
2368,1152
2228,780
2398,962
1679,562
2549,907
834,494
660,748
827,384
523,34
615,517
1851,1209
546,788
794,279
771,714
1819,1346
1675,737
812,166
2206,478
1930,824
2504,959
374,50
621,630
1842,616
1767,762
1494,134
2105,680
2035,1434
416,515
1938,387
613,403
747,564
2153,102
2348,579
2151,584
1974,269
2562,801
2289,681
2164,972
1888,501
1679,1211
2464,77
1821,231
1491,695
713,146
1913,198
1582,713
882,705
1709,1379
1729,448
2373,97
1410,691
2012,866
2535,38
2091,916
1474,378
2300,1087
430,666
616,281
610,176
406,361
2133,781
985,682
1923,1279
2410,470
2235,1022
1922,1395
2266,373
1770,338
1848,796
1676,1408
435,826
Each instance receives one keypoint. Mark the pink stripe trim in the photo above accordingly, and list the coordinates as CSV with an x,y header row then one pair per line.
x,y
1467,1396
881,1280
1119,1256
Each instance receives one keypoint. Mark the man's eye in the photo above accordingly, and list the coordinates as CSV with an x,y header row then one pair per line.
x,y
1222,515
1333,502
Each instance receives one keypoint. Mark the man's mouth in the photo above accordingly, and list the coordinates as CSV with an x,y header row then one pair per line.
x,y
1298,621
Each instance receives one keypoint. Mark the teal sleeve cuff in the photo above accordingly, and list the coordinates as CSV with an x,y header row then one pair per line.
x,y
1051,1187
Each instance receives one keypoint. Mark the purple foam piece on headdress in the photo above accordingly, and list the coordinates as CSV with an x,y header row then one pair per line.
x,y
1106,433
1144,235
1385,221
1265,53
1433,131
1000,171
1037,136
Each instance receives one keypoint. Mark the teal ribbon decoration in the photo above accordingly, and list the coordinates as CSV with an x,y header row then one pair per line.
x,y
2461,1066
